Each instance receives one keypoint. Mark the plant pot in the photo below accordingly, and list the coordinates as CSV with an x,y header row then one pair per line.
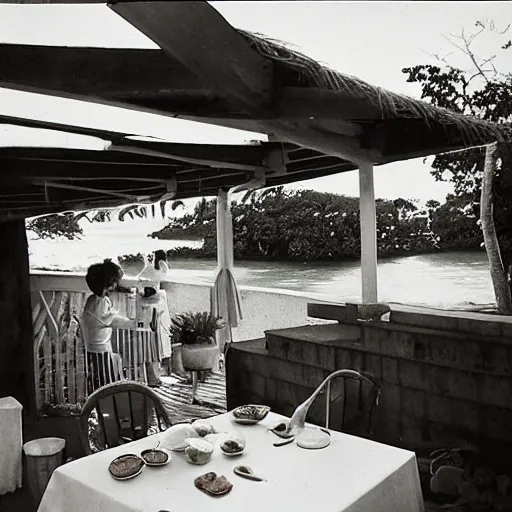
x,y
199,357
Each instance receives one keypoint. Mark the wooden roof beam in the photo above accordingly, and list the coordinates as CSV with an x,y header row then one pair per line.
x,y
151,81
60,127
194,34
100,70
244,157
159,154
186,159
347,148
19,169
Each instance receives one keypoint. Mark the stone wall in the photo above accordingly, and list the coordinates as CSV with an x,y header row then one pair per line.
x,y
444,386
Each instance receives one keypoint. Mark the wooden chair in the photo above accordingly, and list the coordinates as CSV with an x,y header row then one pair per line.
x,y
125,411
352,400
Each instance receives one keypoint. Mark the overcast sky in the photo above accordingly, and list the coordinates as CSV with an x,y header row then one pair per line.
x,y
370,40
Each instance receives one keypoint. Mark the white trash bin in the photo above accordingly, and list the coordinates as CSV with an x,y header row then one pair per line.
x,y
11,442
43,457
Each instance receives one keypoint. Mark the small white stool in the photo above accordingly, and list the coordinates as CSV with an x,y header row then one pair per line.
x,y
43,457
11,442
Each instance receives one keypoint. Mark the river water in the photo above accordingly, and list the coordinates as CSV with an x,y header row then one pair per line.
x,y
445,280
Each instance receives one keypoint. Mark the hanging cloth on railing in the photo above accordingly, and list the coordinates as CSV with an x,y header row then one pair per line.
x,y
225,300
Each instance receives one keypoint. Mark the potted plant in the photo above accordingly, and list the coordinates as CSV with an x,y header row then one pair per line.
x,y
196,334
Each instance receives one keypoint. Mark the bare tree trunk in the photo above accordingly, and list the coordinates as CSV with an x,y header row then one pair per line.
x,y
498,272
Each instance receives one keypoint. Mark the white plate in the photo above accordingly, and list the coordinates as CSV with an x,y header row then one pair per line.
x,y
130,476
127,477
313,439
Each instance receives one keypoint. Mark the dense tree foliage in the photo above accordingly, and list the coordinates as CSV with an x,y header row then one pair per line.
x,y
55,226
307,225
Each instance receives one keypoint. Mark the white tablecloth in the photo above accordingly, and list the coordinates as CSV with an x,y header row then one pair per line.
x,y
11,444
352,474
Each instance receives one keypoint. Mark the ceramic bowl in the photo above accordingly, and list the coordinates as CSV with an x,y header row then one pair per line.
x,y
250,414
199,451
156,457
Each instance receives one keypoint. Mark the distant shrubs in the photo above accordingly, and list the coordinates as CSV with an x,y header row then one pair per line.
x,y
306,226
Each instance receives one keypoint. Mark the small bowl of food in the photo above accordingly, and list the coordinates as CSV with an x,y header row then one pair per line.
x,y
250,414
176,438
231,448
199,451
233,445
203,428
156,457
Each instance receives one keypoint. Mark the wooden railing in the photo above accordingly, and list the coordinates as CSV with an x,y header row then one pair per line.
x,y
61,371
59,352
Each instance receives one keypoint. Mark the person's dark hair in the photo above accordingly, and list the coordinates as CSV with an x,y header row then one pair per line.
x,y
102,276
159,255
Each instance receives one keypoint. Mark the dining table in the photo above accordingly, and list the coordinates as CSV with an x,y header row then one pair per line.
x,y
351,474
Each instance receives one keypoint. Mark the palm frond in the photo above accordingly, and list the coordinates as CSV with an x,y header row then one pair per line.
x,y
133,210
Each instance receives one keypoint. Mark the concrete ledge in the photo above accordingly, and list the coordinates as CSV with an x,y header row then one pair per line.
x,y
338,312
348,313
454,321
330,334
256,346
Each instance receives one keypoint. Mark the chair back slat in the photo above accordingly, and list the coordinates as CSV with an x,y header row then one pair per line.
x,y
146,417
116,413
132,416
352,400
101,420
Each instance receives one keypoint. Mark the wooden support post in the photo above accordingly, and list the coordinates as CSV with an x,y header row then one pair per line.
x,y
368,233
222,204
224,254
16,342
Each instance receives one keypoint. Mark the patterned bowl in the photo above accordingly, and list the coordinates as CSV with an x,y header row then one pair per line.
x,y
250,414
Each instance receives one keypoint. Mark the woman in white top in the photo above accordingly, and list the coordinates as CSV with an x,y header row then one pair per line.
x,y
98,320
151,276
153,273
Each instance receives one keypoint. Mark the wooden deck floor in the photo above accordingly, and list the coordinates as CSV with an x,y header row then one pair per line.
x,y
176,396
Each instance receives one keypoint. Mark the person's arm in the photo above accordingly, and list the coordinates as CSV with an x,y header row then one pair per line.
x,y
113,318
123,322
164,267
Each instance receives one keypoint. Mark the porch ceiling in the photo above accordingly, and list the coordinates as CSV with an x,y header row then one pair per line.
x,y
36,181
320,121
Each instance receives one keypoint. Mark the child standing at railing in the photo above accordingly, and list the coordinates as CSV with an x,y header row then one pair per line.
x,y
99,317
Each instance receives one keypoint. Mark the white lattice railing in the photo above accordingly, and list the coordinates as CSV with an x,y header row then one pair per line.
x,y
59,356
58,346
59,351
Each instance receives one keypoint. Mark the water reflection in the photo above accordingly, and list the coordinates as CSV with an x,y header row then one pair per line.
x,y
444,280
439,280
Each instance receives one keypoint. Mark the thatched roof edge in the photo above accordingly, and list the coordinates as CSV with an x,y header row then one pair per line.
x,y
393,106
